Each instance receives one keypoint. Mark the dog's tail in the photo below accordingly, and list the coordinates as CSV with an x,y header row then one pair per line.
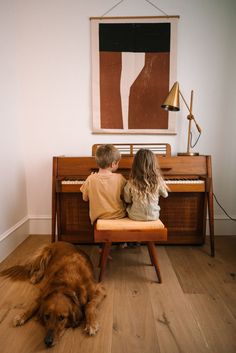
x,y
18,272
34,268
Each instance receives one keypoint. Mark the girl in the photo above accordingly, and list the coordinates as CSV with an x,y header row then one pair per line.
x,y
144,187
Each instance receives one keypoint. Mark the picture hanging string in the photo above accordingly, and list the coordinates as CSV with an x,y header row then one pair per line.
x,y
149,2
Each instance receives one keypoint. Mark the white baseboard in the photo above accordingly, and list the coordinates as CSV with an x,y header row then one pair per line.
x,y
224,226
13,237
42,225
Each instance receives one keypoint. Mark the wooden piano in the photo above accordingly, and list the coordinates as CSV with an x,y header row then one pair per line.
x,y
184,212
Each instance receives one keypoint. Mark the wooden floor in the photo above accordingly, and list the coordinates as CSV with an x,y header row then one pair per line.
x,y
192,311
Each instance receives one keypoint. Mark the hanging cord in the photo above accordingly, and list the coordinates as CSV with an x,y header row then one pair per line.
x,y
149,2
112,8
232,219
156,7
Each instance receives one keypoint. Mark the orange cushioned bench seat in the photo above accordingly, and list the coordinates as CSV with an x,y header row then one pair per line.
x,y
127,230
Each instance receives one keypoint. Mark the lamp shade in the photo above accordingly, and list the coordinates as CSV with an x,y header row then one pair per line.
x,y
172,100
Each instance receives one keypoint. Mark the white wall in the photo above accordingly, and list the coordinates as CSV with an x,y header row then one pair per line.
x,y
13,207
53,102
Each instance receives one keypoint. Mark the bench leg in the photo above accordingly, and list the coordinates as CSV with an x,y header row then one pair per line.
x,y
154,260
103,260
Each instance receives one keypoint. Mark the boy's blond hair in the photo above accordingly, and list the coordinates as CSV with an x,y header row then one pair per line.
x,y
106,155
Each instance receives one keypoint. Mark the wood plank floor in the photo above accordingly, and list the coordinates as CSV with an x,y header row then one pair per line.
x,y
192,311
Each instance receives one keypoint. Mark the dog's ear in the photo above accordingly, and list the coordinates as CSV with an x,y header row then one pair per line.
x,y
75,316
42,300
71,295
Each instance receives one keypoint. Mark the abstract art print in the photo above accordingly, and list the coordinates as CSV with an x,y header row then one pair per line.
x,y
133,66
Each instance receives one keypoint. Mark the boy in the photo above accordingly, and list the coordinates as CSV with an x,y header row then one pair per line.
x,y
103,190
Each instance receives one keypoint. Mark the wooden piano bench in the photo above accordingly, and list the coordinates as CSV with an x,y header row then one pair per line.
x,y
127,230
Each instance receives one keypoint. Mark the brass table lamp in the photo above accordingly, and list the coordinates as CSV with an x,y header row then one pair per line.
x,y
171,103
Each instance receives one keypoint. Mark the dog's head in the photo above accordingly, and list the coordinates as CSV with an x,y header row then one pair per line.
x,y
58,310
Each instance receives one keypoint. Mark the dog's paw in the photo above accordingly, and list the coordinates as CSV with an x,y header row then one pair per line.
x,y
91,330
18,320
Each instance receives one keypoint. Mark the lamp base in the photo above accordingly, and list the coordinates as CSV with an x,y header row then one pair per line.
x,y
188,154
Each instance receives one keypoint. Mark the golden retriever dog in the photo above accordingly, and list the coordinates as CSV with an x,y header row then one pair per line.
x,y
68,292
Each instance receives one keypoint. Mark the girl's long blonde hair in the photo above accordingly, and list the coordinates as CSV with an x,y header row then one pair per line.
x,y
145,176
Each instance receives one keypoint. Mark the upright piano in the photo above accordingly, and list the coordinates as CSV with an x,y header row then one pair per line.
x,y
184,212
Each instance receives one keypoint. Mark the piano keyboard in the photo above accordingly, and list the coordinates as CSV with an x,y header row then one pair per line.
x,y
72,182
175,185
184,181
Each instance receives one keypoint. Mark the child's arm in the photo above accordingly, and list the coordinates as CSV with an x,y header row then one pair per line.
x,y
84,190
163,188
127,194
123,183
163,192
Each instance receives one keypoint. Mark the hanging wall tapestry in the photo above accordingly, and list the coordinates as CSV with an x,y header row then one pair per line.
x,y
133,67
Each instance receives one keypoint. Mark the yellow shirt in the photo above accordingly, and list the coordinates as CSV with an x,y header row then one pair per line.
x,y
103,191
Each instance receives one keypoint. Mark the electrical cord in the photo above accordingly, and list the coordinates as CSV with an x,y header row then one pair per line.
x,y
193,145
232,219
191,137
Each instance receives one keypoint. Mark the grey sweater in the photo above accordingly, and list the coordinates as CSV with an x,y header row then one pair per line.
x,y
147,209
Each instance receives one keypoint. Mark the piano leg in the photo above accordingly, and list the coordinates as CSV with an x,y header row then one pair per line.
x,y
54,202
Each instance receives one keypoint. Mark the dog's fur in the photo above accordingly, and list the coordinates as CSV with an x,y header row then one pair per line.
x,y
68,291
